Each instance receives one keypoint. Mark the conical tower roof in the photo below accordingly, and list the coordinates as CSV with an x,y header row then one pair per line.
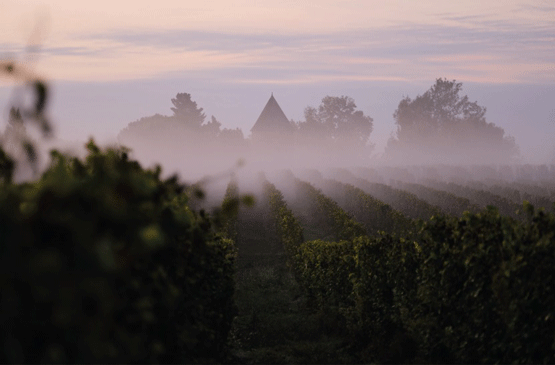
x,y
272,119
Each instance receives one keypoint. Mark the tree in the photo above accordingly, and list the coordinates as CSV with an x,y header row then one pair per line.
x,y
231,137
187,124
186,134
337,121
443,124
186,110
212,128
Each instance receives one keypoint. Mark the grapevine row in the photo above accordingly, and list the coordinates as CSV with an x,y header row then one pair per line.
x,y
479,288
447,202
289,230
375,215
337,223
479,197
405,202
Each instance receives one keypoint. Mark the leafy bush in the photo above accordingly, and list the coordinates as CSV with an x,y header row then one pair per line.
x,y
103,261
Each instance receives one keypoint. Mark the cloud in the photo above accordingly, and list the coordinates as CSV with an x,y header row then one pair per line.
x,y
8,49
197,40
544,7
314,79
68,51
473,47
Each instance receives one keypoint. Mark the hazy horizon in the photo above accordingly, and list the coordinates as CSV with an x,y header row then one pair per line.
x,y
107,69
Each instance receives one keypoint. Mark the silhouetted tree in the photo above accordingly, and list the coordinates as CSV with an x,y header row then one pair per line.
x,y
175,140
442,123
337,122
232,137
212,128
312,129
186,123
186,110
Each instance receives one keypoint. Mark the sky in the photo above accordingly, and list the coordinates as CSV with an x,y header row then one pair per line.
x,y
112,62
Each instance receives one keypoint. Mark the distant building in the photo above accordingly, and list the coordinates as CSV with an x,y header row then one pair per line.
x,y
272,126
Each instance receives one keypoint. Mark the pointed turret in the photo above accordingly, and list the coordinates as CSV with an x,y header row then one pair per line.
x,y
272,120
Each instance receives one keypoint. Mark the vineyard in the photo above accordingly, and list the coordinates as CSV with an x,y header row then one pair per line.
x,y
413,270
105,261
159,205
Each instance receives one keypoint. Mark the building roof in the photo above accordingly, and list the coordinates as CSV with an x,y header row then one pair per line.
x,y
272,119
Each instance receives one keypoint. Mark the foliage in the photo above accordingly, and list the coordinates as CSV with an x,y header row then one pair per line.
x,y
403,201
187,111
384,291
486,289
289,230
334,221
480,197
476,289
519,192
442,124
230,210
175,141
16,146
104,261
7,165
372,213
187,121
337,123
449,203
325,272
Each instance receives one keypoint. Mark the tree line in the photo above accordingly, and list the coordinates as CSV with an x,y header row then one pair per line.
x,y
441,125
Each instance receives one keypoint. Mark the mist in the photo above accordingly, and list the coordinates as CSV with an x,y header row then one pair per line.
x,y
389,118
277,182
